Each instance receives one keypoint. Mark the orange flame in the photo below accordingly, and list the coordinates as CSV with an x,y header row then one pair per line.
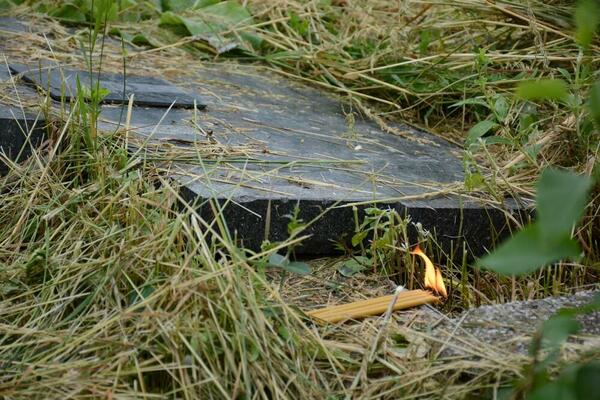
x,y
433,276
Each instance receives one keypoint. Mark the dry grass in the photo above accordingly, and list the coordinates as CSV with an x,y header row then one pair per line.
x,y
110,292
113,288
413,60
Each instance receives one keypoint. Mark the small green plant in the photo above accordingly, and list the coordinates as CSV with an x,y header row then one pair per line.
x,y
575,381
561,200
385,229
276,260
297,267
86,106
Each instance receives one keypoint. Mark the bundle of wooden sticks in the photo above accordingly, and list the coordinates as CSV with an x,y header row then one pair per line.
x,y
364,308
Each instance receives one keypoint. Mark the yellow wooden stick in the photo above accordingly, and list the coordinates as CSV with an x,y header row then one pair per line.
x,y
369,304
364,308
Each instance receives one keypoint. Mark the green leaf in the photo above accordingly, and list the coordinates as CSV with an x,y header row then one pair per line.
x,y
586,382
474,181
543,89
498,140
425,39
138,38
229,12
501,108
138,296
553,391
526,251
277,260
594,104
298,24
184,5
232,14
480,129
359,237
532,150
561,199
350,267
284,333
297,267
558,329
211,21
193,27
105,10
253,352
69,12
587,19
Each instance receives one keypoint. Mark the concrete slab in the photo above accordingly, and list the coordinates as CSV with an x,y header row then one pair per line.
x,y
13,25
20,134
148,91
266,144
283,144
20,131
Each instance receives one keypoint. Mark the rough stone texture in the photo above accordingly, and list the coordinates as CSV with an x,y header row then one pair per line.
x,y
301,147
286,144
147,91
9,24
509,327
19,134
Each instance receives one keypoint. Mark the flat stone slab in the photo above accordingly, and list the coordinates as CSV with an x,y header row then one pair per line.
x,y
148,91
13,25
277,145
266,145
20,134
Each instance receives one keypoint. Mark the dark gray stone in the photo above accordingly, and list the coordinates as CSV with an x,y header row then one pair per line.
x,y
148,91
20,131
9,24
20,134
302,150
279,144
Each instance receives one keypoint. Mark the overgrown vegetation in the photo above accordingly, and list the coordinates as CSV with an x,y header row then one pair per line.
x,y
111,289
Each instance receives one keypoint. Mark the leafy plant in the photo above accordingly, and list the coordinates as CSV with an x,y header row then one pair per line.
x,y
295,225
587,19
561,196
561,200
560,203
353,266
90,94
375,243
543,89
577,381
296,267
212,20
